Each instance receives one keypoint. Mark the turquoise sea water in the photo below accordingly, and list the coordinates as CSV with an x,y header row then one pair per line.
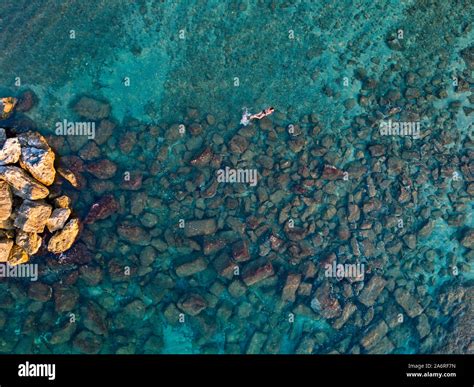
x,y
333,69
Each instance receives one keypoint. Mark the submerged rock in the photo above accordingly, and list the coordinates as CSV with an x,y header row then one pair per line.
x,y
6,201
408,302
372,290
7,105
374,335
17,256
102,209
200,227
192,304
257,271
58,219
102,169
468,239
91,108
26,169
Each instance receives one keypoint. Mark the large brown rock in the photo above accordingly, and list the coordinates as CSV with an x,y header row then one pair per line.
x,y
58,219
374,335
257,271
200,227
372,290
22,184
91,108
291,286
37,157
6,246
62,240
32,216
103,169
28,241
17,256
10,152
408,302
6,201
105,207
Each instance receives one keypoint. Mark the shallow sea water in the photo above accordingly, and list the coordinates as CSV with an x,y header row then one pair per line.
x,y
187,60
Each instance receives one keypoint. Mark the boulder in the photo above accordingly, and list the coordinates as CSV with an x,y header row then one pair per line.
x,y
6,201
374,335
6,246
70,176
7,105
372,290
62,240
28,241
91,108
37,157
257,271
190,268
105,207
103,169
468,239
62,201
17,256
32,216
291,286
200,227
22,184
58,219
325,302
192,304
408,302
10,152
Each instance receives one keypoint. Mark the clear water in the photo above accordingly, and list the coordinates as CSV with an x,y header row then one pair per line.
x,y
219,57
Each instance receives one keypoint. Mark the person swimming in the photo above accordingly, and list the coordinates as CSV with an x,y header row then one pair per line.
x,y
247,117
263,113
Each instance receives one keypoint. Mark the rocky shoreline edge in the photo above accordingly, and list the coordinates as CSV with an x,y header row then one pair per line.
x,y
35,217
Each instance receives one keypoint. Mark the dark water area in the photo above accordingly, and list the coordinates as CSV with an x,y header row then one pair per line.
x,y
186,263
